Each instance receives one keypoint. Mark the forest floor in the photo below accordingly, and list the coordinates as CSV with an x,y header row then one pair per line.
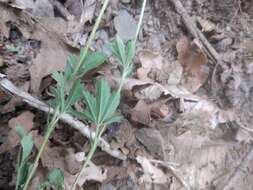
x,y
187,107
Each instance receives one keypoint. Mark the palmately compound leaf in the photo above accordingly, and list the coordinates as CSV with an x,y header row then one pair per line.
x,y
92,61
27,145
91,104
103,93
56,179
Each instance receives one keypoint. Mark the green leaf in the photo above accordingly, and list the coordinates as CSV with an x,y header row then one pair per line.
x,y
27,145
71,64
91,61
103,93
115,51
113,119
85,115
113,103
56,179
130,51
74,95
121,49
91,104
20,131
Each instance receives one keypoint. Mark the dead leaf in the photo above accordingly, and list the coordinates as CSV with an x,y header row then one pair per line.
x,y
152,140
151,174
194,63
154,68
88,11
91,173
207,25
141,113
24,120
51,157
125,25
53,53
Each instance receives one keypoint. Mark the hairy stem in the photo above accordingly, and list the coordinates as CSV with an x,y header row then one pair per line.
x,y
50,129
91,37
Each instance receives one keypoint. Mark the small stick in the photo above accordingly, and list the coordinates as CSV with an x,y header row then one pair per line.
x,y
74,123
191,26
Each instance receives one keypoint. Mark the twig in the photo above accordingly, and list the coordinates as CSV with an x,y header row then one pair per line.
x,y
191,26
62,10
240,172
74,123
207,47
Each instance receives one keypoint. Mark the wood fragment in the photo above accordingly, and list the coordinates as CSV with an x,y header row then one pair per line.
x,y
74,123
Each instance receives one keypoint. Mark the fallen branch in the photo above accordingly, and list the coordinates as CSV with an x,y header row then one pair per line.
x,y
74,123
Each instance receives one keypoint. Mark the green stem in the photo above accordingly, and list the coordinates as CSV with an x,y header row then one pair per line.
x,y
140,20
92,35
50,129
87,161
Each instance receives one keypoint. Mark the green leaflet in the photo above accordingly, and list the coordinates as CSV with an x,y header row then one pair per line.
x,y
55,180
102,107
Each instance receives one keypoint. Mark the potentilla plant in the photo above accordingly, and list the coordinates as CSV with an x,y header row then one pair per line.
x,y
101,108
68,90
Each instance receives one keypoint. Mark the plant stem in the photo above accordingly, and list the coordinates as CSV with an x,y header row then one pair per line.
x,y
50,129
87,161
90,39
140,20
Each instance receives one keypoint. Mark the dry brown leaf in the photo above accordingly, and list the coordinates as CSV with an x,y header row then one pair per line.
x,y
154,68
53,53
141,113
150,63
24,120
194,63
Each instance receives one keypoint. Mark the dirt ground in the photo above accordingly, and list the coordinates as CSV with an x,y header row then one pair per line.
x,y
187,107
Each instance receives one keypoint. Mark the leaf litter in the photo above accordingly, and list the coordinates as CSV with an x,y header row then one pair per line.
x,y
169,109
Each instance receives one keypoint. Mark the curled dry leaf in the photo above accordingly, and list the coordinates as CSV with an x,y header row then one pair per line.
x,y
194,65
24,120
